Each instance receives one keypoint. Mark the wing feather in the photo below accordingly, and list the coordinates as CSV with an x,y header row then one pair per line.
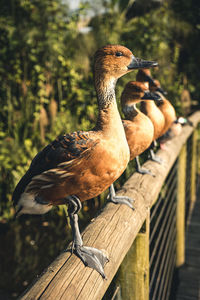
x,y
53,163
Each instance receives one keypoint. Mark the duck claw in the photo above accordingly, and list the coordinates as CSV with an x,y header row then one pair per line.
x,y
119,199
92,258
145,171
122,200
157,159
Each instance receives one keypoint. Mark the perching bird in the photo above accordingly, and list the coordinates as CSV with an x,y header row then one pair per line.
x,y
173,131
81,165
170,115
153,113
164,105
138,127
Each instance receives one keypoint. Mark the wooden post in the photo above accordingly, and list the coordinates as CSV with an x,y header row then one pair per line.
x,y
193,169
134,271
180,223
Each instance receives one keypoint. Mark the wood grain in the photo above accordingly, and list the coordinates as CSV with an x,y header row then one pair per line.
x,y
113,231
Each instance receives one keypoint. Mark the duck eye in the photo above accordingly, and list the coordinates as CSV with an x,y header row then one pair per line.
x,y
118,54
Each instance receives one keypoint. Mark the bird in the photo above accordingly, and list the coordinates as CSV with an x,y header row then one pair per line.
x,y
164,105
173,125
173,131
139,129
81,165
150,109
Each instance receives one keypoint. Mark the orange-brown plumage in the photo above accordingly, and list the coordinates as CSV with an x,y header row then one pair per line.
x,y
154,114
165,107
138,127
149,108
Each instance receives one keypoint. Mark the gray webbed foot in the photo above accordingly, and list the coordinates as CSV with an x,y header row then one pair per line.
x,y
92,257
145,171
155,158
119,199
141,170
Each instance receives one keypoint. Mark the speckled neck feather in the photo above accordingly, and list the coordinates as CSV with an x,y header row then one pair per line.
x,y
130,111
105,89
109,119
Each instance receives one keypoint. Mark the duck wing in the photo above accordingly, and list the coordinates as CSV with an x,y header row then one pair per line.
x,y
54,161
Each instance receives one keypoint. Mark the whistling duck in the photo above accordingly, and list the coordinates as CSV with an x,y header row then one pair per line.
x,y
164,105
150,109
138,127
174,130
81,165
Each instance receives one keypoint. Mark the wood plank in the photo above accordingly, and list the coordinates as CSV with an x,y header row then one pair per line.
x,y
113,231
180,219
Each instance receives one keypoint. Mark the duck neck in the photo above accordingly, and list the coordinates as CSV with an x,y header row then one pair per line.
x,y
130,111
108,118
146,105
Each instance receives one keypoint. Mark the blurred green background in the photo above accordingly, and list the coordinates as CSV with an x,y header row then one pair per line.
x,y
46,61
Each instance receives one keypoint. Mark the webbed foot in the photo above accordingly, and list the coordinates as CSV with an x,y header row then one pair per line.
x,y
141,170
145,171
119,199
92,257
155,158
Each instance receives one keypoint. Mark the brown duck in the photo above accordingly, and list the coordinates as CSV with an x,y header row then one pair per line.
x,y
153,112
81,165
138,127
164,105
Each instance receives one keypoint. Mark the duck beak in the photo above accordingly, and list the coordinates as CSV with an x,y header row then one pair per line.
x,y
138,63
161,91
151,96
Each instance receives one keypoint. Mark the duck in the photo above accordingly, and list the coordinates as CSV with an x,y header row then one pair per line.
x,y
150,109
164,105
139,129
74,167
174,130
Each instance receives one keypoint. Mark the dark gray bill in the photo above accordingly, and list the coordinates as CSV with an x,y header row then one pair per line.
x,y
151,96
161,91
138,63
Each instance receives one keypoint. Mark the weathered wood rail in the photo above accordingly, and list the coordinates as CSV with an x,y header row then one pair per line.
x,y
114,231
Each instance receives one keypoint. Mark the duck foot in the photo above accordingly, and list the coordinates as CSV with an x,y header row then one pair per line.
x,y
145,171
91,257
141,170
155,158
119,199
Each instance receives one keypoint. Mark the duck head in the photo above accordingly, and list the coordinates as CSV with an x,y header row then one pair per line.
x,y
144,75
135,92
117,60
156,87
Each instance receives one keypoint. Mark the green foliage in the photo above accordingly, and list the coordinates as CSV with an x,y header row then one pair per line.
x,y
36,68
187,33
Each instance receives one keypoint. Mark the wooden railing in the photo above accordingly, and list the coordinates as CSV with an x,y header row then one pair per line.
x,y
120,232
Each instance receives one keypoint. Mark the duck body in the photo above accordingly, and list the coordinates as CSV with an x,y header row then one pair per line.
x,y
138,127
52,175
139,133
165,106
168,112
155,115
